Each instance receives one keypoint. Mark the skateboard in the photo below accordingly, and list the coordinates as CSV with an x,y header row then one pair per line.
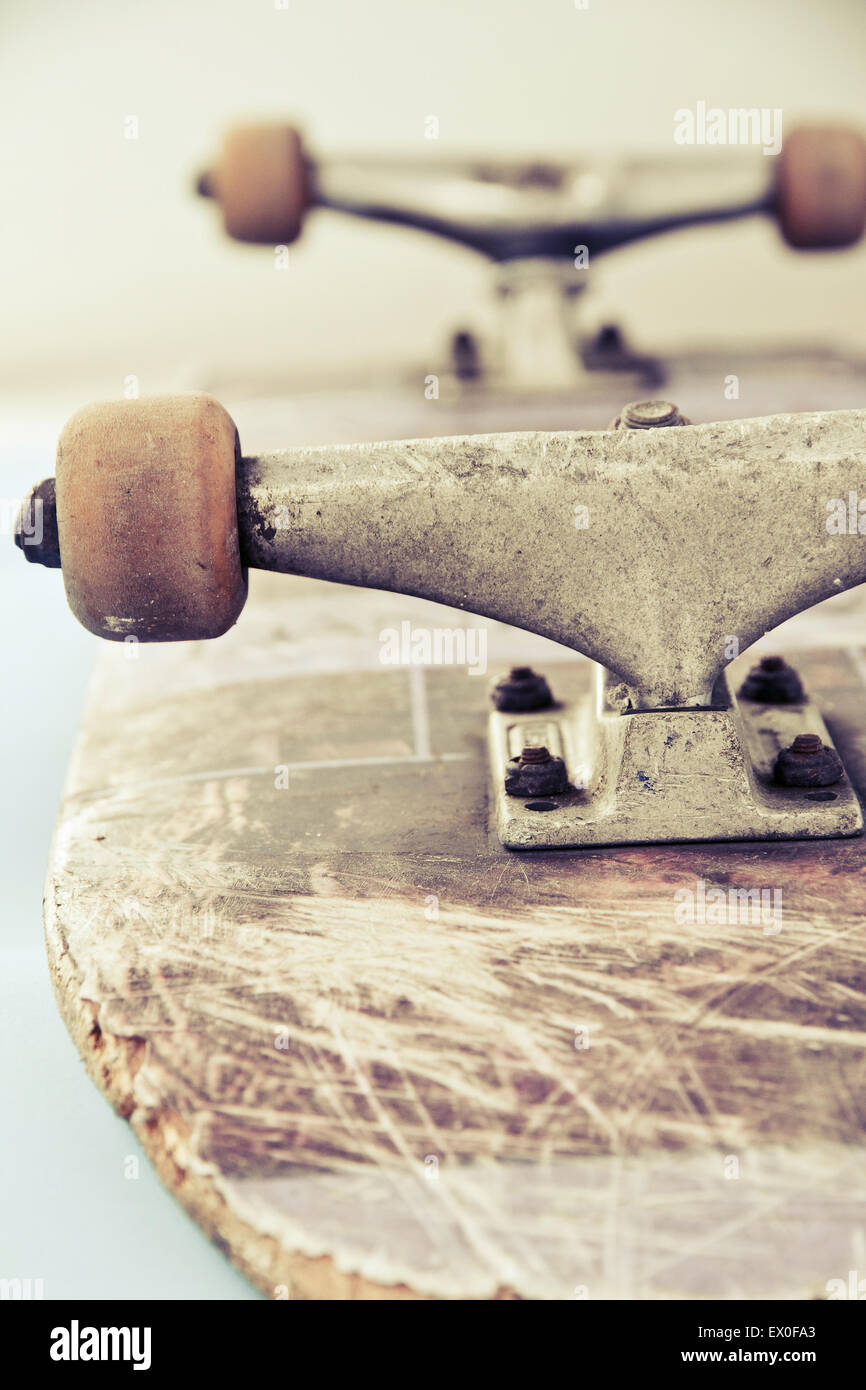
x,y
453,887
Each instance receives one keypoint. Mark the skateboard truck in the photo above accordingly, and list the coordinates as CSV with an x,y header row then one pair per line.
x,y
266,182
658,549
543,224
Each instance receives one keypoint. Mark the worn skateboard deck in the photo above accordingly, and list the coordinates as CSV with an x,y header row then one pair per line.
x,y
376,1055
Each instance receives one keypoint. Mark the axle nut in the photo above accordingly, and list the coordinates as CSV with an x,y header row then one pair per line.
x,y
36,526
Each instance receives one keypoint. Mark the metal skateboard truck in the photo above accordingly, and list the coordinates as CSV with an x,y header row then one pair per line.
x,y
266,183
658,548
542,225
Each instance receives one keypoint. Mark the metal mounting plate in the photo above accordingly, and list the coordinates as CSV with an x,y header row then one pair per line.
x,y
655,776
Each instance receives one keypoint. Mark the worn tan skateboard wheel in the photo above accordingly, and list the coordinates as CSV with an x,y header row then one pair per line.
x,y
147,518
821,187
261,182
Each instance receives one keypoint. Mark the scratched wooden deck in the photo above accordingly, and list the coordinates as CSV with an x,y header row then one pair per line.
x,y
374,1054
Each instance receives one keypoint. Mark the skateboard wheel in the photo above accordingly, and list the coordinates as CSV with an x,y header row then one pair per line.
x,y
261,182
147,518
821,187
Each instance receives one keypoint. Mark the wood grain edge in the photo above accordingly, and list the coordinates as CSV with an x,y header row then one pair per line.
x,y
113,1063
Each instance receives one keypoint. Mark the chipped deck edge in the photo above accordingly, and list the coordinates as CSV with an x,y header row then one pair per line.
x,y
113,1063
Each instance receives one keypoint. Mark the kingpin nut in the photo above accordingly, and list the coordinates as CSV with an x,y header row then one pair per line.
x,y
648,415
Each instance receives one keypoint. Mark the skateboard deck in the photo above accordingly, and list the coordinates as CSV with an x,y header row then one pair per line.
x,y
376,1055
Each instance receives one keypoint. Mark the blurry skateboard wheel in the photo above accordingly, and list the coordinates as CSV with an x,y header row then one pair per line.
x,y
821,187
261,182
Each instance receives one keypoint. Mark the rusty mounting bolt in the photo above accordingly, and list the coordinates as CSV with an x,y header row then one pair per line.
x,y
772,682
535,754
536,773
521,689
807,763
648,415
806,744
